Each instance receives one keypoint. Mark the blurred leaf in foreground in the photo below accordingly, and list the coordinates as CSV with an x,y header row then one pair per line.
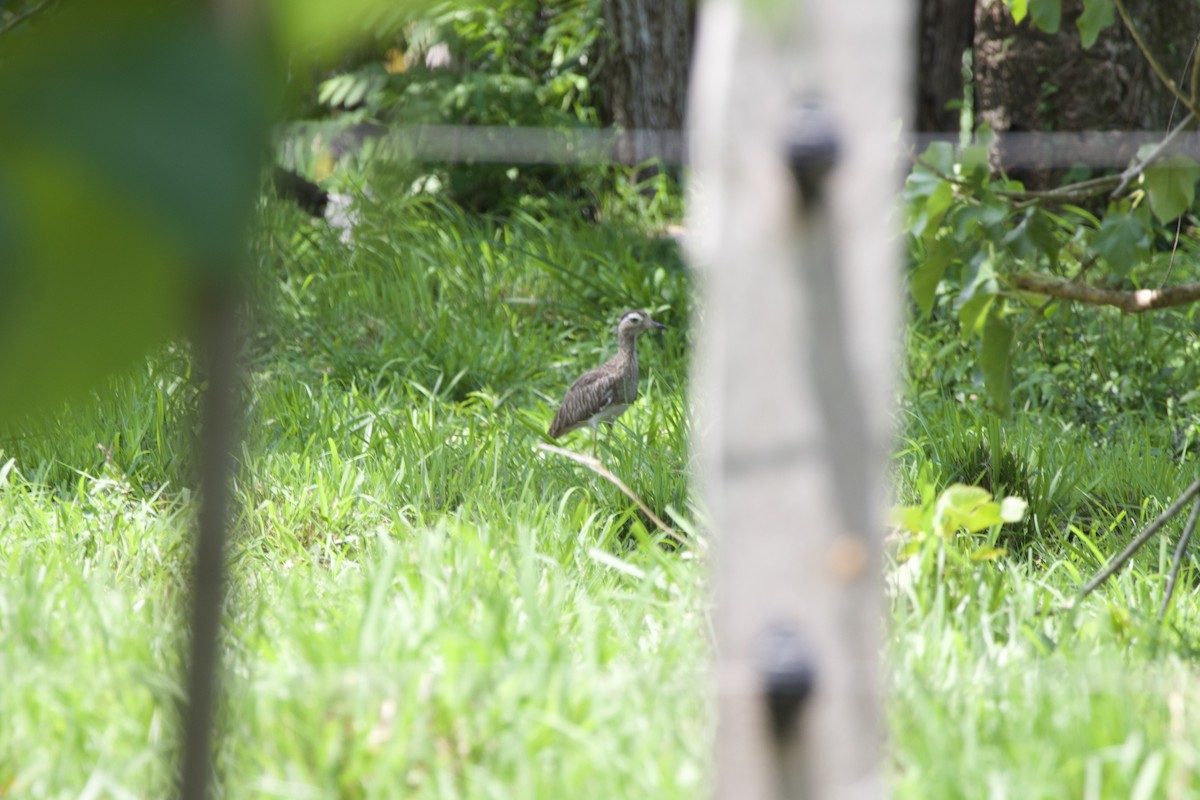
x,y
131,137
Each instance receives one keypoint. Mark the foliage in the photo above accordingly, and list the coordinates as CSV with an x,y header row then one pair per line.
x,y
131,135
959,507
129,144
993,690
982,247
514,64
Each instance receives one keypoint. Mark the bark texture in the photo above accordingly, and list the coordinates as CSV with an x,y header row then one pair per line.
x,y
1032,82
1027,80
646,72
946,30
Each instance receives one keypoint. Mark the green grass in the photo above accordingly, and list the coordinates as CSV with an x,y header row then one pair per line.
x,y
424,605
994,691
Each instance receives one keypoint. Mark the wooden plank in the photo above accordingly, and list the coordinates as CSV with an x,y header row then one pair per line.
x,y
794,379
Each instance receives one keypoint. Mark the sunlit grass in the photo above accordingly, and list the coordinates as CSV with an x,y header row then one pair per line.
x,y
424,605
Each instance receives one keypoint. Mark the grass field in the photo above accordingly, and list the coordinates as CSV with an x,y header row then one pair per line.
x,y
423,605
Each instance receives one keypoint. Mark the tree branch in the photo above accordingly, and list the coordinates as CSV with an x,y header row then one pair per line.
x,y
17,19
595,466
1083,190
1131,302
1071,193
1138,168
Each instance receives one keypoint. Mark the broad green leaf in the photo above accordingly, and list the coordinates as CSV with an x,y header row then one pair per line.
x,y
976,296
1020,8
1046,14
1097,15
920,183
77,306
983,219
956,504
1042,234
940,200
963,499
926,277
940,155
131,138
914,519
1032,236
318,28
1171,184
150,102
972,314
963,507
1122,241
995,362
973,157
929,212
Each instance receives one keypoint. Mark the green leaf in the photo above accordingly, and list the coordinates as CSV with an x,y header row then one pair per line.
x,y
1122,241
940,155
963,507
972,313
318,29
973,157
995,362
1046,14
976,296
1097,15
1171,184
1032,236
988,215
1019,9
131,138
926,277
914,519
929,212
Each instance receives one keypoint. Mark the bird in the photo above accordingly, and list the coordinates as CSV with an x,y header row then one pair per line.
x,y
602,394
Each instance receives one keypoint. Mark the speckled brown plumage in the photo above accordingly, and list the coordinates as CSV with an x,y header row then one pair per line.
x,y
603,394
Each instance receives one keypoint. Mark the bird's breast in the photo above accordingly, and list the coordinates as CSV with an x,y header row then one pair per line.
x,y
611,412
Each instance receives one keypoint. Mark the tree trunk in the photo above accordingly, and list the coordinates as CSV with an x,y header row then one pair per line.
x,y
947,30
1027,80
646,70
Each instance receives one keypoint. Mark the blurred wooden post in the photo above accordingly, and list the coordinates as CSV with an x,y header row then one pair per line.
x,y
799,329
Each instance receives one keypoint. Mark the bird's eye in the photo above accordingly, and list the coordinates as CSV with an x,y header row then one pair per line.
x,y
635,319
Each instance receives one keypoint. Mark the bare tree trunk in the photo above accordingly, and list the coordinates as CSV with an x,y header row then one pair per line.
x,y
947,30
646,72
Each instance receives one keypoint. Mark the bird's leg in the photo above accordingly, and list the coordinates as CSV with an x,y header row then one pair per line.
x,y
595,439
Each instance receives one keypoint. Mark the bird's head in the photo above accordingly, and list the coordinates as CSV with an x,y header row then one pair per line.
x,y
636,322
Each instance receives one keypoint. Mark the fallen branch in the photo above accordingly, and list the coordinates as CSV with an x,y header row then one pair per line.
x,y
595,466
1138,542
1137,169
1131,302
1177,558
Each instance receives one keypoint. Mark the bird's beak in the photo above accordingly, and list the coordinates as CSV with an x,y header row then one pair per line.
x,y
658,325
